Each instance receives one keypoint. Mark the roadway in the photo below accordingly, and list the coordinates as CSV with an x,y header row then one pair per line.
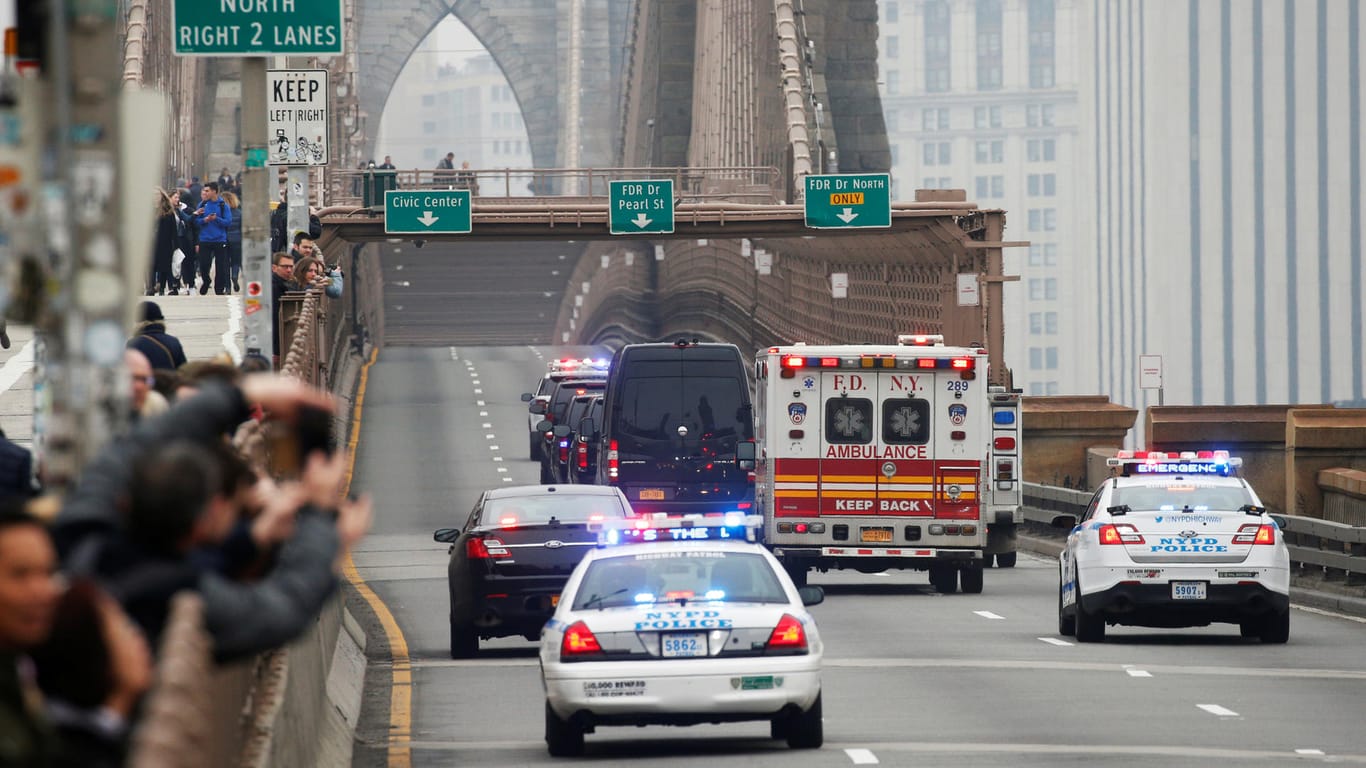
x,y
912,677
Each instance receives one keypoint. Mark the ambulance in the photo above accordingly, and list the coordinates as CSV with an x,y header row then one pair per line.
x,y
873,457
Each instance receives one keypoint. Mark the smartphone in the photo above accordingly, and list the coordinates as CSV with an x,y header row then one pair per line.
x,y
314,429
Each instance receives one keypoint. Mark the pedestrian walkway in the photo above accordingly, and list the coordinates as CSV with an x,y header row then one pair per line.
x,y
205,325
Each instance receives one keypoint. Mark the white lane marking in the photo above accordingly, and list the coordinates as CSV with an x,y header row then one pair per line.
x,y
501,469
1056,641
507,479
1334,614
1139,673
234,328
18,365
1309,752
861,756
493,447
478,391
1215,709
490,436
497,458
479,403
988,615
488,426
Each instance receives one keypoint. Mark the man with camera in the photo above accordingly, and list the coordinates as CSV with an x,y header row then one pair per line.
x,y
213,216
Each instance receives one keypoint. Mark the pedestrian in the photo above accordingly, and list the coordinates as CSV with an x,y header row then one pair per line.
x,y
141,399
234,239
162,350
465,179
388,164
445,170
188,231
196,189
213,216
281,275
16,470
164,244
225,182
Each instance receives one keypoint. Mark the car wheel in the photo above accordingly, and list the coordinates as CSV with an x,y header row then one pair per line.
x,y
805,730
987,558
943,579
778,727
1090,626
534,446
546,477
562,737
1276,627
464,641
971,579
798,575
1005,560
1250,628
1067,623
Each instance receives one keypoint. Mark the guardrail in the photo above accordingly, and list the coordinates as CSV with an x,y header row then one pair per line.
x,y
1335,550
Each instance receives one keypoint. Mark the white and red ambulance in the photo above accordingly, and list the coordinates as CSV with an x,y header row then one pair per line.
x,y
887,456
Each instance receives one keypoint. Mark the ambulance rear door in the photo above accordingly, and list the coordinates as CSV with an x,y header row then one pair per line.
x,y
905,432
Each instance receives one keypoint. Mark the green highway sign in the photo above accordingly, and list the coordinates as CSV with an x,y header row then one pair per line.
x,y
641,206
426,211
257,27
849,201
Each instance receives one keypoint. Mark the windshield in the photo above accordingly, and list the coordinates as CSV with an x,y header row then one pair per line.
x,y
1164,498
564,507
709,400
679,576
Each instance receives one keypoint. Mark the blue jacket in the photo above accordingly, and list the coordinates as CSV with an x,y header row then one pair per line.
x,y
214,231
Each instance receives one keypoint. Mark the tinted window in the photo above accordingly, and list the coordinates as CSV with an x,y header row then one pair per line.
x,y
577,410
706,397
695,576
1180,496
559,402
564,507
906,422
848,420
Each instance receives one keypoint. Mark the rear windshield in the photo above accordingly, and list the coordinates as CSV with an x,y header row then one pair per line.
x,y
567,392
564,507
1163,498
578,408
708,398
679,576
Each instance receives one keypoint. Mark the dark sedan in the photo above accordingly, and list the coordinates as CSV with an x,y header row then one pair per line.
x,y
514,554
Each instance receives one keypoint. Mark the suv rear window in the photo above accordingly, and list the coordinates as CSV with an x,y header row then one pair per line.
x,y
708,399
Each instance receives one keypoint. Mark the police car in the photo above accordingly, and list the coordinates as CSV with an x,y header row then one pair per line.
x,y
1175,540
681,621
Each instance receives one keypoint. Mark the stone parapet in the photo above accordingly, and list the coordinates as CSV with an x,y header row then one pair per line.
x,y
1319,439
1058,434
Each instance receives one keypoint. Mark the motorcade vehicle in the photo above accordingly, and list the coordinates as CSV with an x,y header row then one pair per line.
x,y
682,621
678,428
556,427
513,554
583,465
1174,540
878,456
556,370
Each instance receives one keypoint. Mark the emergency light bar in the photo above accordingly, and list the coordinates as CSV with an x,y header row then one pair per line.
x,y
920,340
735,526
575,364
1183,463
793,362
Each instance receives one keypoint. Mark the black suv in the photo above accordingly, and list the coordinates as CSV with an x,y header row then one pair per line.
x,y
678,428
556,447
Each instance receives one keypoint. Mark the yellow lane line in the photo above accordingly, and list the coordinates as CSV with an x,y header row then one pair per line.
x,y
401,675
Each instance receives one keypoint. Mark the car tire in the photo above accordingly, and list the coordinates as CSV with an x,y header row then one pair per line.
x,y
987,559
1251,628
534,446
806,730
562,737
944,580
972,580
798,575
779,726
1090,626
1006,560
464,641
1067,623
546,477
1276,627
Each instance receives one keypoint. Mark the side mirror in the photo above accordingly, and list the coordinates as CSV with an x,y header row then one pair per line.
x,y
811,594
536,407
446,535
1280,522
526,397
544,425
561,430
1065,521
744,454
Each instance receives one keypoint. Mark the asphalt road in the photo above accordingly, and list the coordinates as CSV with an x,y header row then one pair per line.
x,y
911,677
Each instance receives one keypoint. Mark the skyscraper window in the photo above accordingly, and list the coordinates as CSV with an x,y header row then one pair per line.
x,y
937,31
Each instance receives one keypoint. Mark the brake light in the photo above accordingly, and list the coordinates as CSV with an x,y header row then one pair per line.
x,y
793,362
789,634
1253,533
579,641
508,521
964,363
1120,534
1005,470
613,464
486,549
1003,443
582,454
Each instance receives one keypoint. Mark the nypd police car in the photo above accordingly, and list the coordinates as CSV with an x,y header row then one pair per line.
x,y
1175,540
681,621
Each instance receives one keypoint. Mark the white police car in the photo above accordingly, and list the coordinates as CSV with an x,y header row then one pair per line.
x,y
681,621
1175,541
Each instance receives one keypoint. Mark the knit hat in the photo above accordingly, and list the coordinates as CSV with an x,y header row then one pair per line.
x,y
151,312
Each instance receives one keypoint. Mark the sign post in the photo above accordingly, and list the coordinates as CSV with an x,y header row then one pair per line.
x,y
641,206
296,116
255,28
849,201
1150,374
427,211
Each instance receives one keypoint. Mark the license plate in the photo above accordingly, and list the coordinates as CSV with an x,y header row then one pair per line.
x,y
875,535
1188,590
684,644
651,494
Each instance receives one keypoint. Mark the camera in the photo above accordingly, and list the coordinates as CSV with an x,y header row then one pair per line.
x,y
291,445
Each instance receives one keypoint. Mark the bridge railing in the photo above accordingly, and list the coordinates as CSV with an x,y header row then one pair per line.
x,y
1335,550
755,184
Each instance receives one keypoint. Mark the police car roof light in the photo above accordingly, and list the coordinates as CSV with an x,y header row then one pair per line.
x,y
920,339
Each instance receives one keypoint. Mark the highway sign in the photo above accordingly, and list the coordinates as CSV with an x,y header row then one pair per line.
x,y
426,211
849,201
641,206
257,27
296,116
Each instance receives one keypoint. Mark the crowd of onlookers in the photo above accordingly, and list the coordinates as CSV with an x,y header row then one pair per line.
x,y
224,485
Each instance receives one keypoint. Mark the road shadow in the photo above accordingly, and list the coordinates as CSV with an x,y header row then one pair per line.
x,y
608,748
875,589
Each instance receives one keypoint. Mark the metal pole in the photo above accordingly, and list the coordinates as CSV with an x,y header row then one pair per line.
x,y
258,303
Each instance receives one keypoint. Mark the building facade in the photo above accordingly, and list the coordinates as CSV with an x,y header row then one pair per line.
x,y
1223,214
983,95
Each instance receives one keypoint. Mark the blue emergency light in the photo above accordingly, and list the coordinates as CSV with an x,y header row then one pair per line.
x,y
730,526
